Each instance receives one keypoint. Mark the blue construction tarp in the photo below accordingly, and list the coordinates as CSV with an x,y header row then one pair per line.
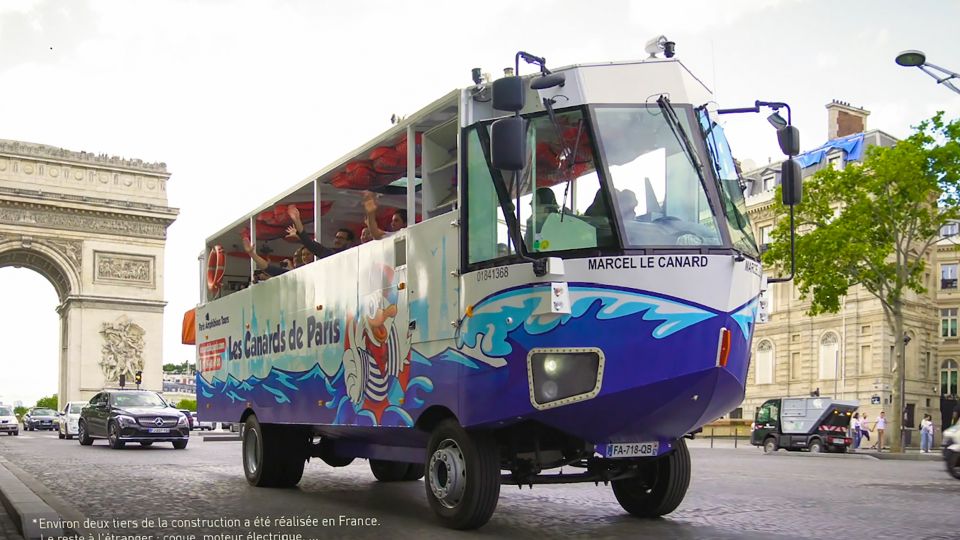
x,y
852,146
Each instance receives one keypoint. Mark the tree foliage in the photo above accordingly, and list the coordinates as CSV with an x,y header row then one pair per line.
x,y
49,402
188,404
872,224
19,411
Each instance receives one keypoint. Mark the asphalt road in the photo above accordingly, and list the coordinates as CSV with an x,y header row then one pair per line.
x,y
734,494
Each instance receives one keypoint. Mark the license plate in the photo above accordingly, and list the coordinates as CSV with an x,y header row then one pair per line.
x,y
838,441
158,430
620,450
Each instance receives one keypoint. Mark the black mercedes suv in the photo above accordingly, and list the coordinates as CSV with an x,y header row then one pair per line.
x,y
140,416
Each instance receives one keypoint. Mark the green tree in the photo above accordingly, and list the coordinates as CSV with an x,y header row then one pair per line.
x,y
170,368
872,225
49,402
19,411
188,404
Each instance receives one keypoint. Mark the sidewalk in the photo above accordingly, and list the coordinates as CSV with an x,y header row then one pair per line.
x,y
7,528
912,454
24,502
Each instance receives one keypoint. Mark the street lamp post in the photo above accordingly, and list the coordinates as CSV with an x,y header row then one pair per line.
x,y
918,59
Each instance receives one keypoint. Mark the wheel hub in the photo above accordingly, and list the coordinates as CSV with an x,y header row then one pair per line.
x,y
251,451
448,473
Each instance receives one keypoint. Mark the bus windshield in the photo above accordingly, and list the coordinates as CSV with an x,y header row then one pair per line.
x,y
731,190
660,198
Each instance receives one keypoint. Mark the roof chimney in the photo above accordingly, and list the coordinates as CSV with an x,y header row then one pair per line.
x,y
844,119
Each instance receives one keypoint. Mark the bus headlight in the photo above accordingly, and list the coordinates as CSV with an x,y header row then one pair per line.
x,y
561,376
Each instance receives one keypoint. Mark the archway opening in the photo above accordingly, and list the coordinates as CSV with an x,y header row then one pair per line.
x,y
30,334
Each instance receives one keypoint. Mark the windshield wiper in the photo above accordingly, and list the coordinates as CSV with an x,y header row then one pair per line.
x,y
676,127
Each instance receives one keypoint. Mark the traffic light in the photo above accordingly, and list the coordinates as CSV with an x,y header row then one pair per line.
x,y
138,377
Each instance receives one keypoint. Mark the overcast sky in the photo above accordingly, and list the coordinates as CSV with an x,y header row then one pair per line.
x,y
243,99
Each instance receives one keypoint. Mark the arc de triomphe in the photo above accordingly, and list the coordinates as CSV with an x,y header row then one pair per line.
x,y
95,226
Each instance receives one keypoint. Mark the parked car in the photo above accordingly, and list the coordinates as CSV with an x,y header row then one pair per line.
x,y
39,418
140,416
191,418
197,424
8,421
68,418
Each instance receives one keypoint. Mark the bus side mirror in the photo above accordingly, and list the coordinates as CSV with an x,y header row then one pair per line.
x,y
789,139
508,141
790,181
508,94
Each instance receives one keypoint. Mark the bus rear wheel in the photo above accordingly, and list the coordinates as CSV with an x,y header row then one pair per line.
x,y
273,456
462,475
660,488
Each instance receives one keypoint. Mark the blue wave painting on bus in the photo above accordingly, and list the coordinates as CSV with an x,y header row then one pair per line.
x,y
556,271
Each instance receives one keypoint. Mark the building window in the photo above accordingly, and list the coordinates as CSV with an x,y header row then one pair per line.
x,y
866,359
950,229
769,182
829,355
765,362
948,276
836,162
865,330
736,413
948,322
948,377
795,367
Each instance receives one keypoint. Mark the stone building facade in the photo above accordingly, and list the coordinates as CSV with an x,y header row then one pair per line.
x,y
850,354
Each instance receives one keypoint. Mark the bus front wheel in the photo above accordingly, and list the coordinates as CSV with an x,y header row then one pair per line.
x,y
462,475
660,488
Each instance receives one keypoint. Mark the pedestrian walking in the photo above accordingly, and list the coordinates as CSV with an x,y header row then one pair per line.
x,y
880,425
855,430
864,428
926,433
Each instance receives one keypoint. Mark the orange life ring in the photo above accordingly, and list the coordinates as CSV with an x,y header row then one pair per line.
x,y
215,267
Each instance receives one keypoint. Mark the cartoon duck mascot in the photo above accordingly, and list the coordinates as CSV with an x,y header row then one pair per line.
x,y
376,357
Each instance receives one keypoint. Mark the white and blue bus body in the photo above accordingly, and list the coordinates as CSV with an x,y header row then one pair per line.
x,y
500,335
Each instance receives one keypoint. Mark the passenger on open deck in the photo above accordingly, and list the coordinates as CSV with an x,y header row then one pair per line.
x,y
341,241
397,222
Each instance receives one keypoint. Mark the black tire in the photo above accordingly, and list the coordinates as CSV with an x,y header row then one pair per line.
x,y
388,471
953,465
273,456
60,435
146,444
660,488
770,445
414,473
83,436
462,475
68,437
179,445
113,436
816,446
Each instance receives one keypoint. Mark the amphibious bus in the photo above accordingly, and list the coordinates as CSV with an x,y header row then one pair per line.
x,y
575,287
